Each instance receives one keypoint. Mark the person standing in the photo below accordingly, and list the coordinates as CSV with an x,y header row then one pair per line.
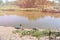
x,y
21,27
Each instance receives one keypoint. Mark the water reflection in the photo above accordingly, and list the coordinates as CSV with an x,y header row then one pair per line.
x,y
45,22
32,15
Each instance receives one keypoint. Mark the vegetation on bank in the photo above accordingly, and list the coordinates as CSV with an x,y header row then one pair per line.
x,y
37,33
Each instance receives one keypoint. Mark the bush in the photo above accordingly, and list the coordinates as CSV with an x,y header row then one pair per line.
x,y
24,32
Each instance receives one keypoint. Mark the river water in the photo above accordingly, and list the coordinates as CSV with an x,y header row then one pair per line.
x,y
41,22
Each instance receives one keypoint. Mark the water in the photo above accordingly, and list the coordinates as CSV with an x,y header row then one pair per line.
x,y
45,22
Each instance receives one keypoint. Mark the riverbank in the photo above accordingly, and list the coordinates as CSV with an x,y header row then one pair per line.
x,y
6,33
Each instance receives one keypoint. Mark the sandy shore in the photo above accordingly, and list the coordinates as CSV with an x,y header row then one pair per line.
x,y
6,34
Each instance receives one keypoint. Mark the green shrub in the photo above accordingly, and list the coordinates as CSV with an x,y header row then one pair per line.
x,y
24,32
